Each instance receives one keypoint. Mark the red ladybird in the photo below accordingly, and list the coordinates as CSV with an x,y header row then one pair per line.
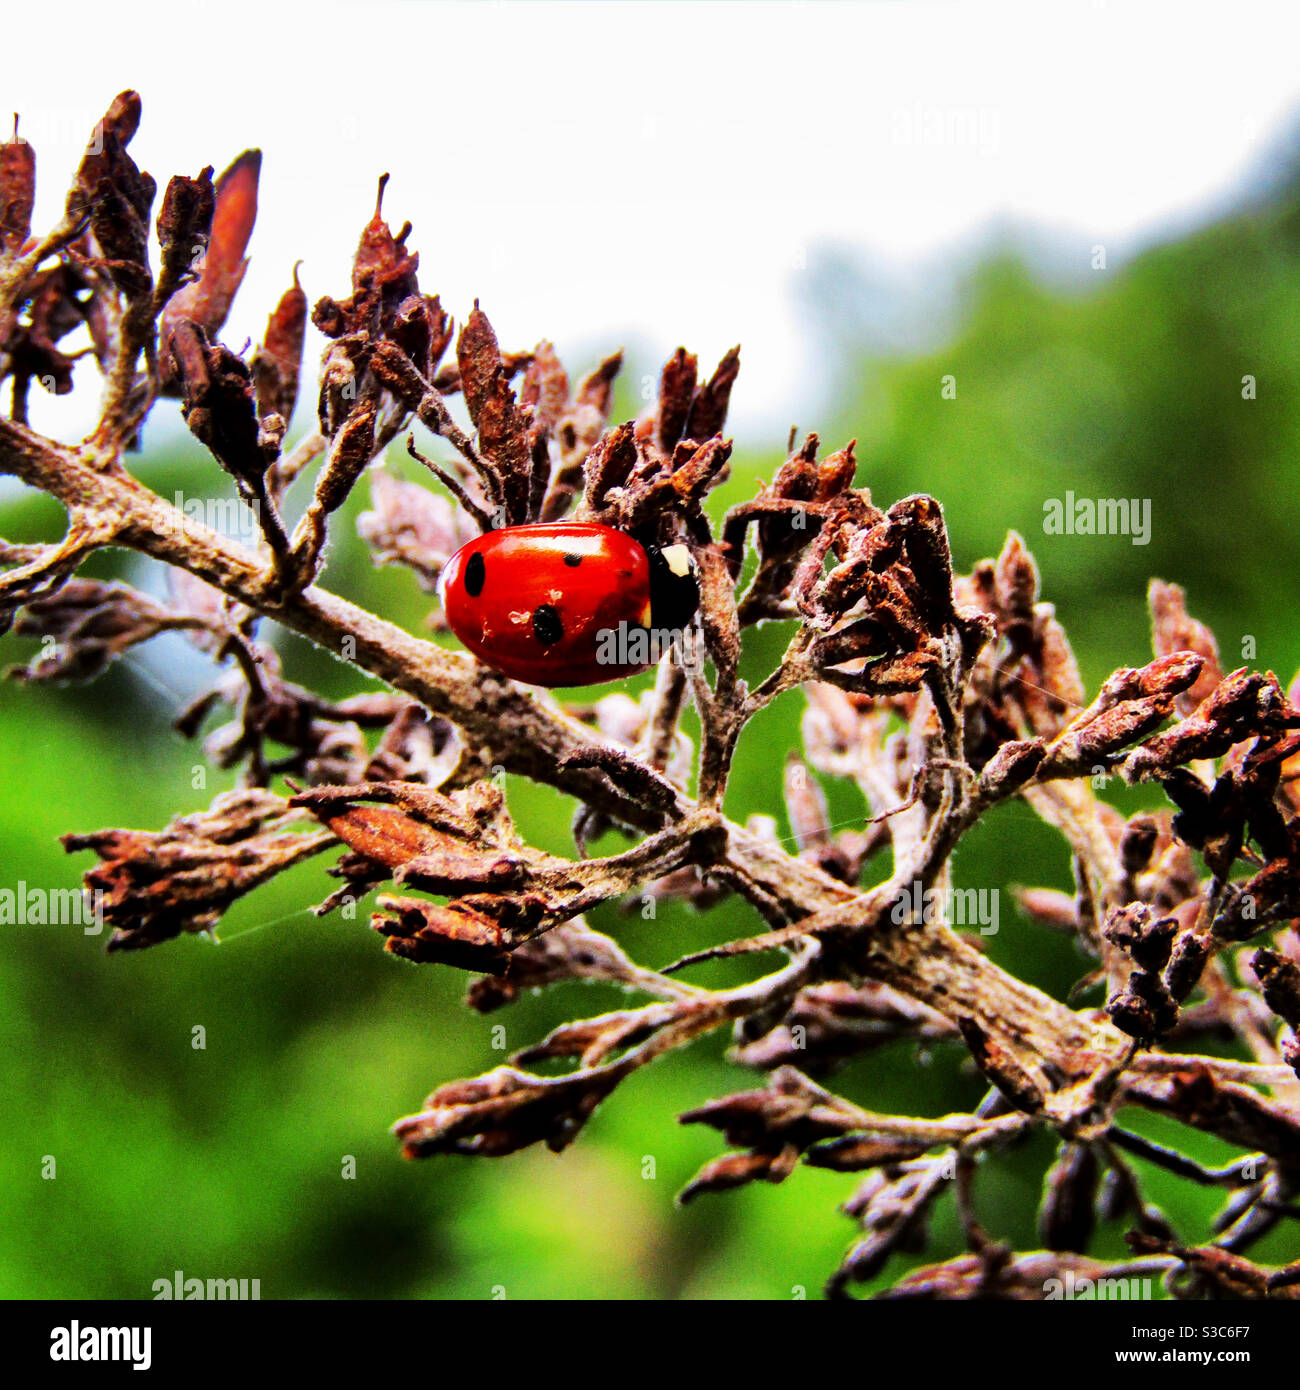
x,y
567,602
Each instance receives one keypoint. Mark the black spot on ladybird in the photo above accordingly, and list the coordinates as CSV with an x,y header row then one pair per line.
x,y
475,574
573,561
547,627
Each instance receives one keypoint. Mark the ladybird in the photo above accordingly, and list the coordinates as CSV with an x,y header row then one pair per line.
x,y
567,602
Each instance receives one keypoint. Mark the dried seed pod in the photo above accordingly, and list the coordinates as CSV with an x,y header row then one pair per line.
x,y
350,451
676,391
1146,937
708,410
571,951
217,405
1132,1014
206,302
17,193
382,263
425,932
502,428
1280,980
184,224
278,362
1068,1214
1138,844
1187,960
154,886
91,622
1173,630
1014,764
505,1110
1015,587
1002,1067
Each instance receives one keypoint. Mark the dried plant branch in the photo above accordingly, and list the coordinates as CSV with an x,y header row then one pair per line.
x,y
939,695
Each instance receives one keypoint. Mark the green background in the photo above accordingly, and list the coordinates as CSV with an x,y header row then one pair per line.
x,y
226,1162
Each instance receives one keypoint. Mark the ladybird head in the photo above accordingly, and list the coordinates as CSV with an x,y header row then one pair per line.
x,y
674,587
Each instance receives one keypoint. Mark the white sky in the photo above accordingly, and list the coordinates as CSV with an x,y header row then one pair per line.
x,y
656,173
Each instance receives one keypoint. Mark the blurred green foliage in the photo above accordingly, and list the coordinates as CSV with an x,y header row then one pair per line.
x,y
227,1161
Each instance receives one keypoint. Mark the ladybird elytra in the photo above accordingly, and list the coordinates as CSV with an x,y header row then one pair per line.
x,y
567,602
